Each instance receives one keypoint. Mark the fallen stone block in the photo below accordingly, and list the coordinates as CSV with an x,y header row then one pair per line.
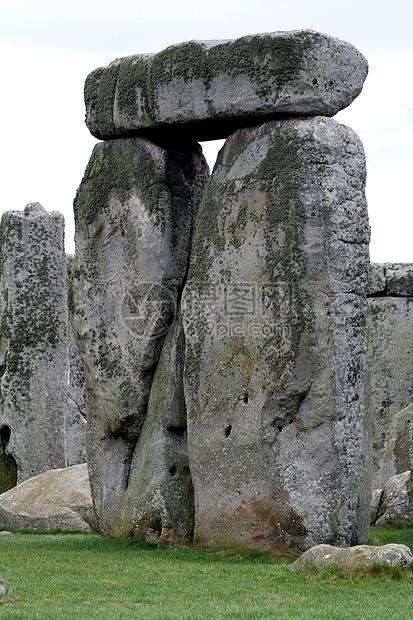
x,y
352,558
56,499
397,501
204,90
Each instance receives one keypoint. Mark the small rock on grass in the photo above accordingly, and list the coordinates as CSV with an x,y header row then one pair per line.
x,y
352,558
3,587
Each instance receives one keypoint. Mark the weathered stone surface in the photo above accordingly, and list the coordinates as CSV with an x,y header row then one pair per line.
x,y
208,89
56,499
377,507
34,344
158,503
397,456
398,501
352,558
377,280
399,279
389,334
274,313
3,587
135,211
76,408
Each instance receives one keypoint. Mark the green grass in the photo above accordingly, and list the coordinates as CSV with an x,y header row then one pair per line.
x,y
85,576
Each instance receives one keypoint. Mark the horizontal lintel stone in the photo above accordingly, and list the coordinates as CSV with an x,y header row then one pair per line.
x,y
204,90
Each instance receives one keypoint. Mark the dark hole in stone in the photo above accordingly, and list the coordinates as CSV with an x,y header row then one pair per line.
x,y
172,470
177,430
155,524
5,433
228,430
8,465
280,427
246,398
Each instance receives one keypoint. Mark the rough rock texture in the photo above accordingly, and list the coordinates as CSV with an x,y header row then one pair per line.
x,y
274,313
56,499
210,88
397,455
352,558
377,507
76,408
3,587
397,501
34,344
135,211
390,334
158,503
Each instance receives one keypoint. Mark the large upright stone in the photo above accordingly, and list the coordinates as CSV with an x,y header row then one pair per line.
x,y
208,89
135,212
76,407
274,313
34,337
390,334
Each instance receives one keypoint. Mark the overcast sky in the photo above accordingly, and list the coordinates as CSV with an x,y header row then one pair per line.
x,y
47,48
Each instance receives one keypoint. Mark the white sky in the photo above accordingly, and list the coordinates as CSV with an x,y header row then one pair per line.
x,y
47,48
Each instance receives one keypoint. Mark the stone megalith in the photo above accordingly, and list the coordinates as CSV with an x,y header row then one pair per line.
x,y
135,211
274,309
34,337
76,406
397,454
208,89
389,335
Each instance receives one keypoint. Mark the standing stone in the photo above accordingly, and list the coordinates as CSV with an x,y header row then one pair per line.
x,y
208,89
75,428
34,337
397,454
135,211
390,334
274,313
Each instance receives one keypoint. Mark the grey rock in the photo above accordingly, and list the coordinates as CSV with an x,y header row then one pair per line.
x,y
6,533
399,279
158,504
135,211
3,587
391,279
398,448
398,501
377,280
34,344
76,409
389,334
352,558
274,313
377,506
56,499
75,430
208,89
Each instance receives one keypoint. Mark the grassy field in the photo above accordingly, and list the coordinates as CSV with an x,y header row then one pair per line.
x,y
85,576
